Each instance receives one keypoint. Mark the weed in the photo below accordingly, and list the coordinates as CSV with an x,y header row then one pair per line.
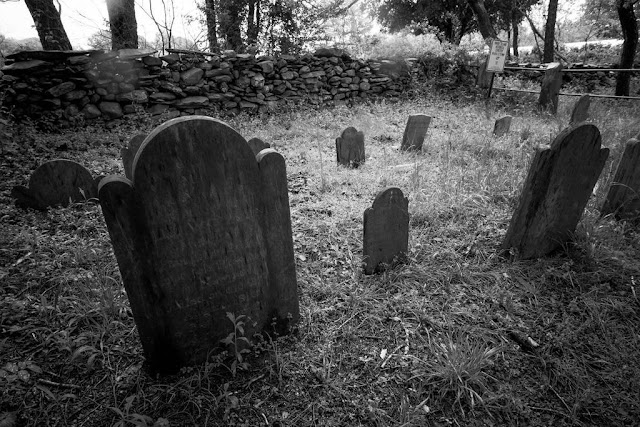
x,y
238,343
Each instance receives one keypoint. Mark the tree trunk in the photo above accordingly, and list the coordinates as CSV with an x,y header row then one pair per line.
x,y
514,25
549,31
230,17
123,25
630,34
253,22
210,17
484,22
48,24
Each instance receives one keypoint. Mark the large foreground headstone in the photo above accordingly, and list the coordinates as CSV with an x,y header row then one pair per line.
x,y
415,132
56,182
203,229
502,126
623,199
550,90
128,153
580,111
386,230
350,148
555,193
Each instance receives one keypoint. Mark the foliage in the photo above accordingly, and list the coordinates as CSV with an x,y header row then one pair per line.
x,y
450,20
601,18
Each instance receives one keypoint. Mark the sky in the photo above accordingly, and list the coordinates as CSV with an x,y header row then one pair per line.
x,y
82,18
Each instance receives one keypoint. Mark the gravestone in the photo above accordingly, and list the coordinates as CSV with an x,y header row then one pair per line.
x,y
56,182
484,78
128,153
386,230
203,229
257,145
550,90
580,111
560,180
350,148
502,126
623,198
415,132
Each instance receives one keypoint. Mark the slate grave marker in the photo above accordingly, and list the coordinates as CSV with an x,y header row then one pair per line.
x,y
623,198
203,229
560,180
128,153
350,148
550,90
415,132
386,230
502,126
257,145
580,111
56,183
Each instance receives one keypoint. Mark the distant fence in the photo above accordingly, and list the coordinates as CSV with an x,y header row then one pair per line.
x,y
551,83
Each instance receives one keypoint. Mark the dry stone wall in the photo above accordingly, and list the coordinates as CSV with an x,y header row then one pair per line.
x,y
75,86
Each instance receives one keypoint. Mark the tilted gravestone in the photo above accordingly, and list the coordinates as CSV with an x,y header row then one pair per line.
x,y
202,229
128,153
502,126
415,132
580,111
350,148
623,198
56,182
257,145
386,230
555,193
550,90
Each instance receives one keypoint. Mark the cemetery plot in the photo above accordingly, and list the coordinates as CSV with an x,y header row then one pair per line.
x,y
203,230
560,180
350,148
56,183
386,230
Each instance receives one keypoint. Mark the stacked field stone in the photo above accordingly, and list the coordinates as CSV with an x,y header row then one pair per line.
x,y
86,85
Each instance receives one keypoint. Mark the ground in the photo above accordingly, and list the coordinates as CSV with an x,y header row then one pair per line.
x,y
457,335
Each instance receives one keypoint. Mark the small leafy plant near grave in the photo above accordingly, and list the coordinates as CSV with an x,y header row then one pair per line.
x,y
237,344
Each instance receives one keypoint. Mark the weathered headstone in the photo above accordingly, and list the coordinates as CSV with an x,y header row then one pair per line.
x,y
623,198
257,145
415,132
350,148
203,229
386,230
56,182
580,111
128,153
502,126
555,193
550,90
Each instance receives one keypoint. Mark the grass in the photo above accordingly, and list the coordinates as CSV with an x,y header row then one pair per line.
x,y
456,336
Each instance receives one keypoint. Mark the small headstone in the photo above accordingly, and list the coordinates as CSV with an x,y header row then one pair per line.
x,y
129,153
502,126
555,193
415,132
623,199
257,145
483,80
203,229
580,111
550,90
350,148
56,182
386,230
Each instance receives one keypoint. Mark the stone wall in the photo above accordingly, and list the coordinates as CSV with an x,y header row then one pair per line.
x,y
77,86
